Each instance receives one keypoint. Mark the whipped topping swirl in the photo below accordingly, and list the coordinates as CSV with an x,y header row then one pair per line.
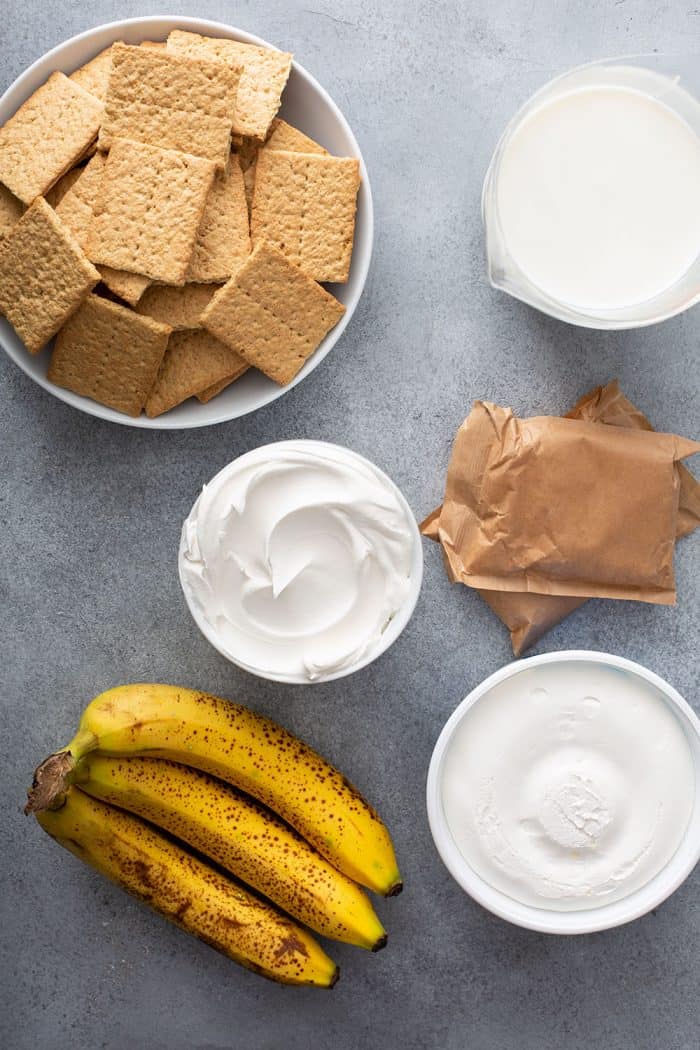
x,y
295,558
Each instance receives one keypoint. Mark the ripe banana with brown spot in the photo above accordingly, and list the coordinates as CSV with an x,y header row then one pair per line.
x,y
239,835
187,891
248,751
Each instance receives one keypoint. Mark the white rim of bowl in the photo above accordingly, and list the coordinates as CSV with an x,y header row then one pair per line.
x,y
362,261
543,920
398,622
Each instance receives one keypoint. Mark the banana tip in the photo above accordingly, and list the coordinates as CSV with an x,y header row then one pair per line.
x,y
335,978
395,890
380,943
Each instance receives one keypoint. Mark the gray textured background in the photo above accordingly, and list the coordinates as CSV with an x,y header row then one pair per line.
x,y
90,517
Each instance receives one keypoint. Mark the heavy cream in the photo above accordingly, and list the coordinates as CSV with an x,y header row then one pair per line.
x,y
568,786
597,197
296,557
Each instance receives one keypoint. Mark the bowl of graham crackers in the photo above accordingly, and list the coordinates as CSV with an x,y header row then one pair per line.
x,y
185,222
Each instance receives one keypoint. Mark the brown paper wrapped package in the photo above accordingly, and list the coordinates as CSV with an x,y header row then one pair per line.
x,y
528,616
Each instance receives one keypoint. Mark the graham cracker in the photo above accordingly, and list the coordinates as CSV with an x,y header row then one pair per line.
x,y
216,388
249,184
171,102
55,195
128,286
77,205
193,362
44,275
272,314
47,136
265,73
149,210
246,149
76,209
304,204
281,135
11,211
94,75
284,136
180,307
110,354
223,238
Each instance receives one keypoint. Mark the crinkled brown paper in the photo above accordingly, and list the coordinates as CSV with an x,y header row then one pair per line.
x,y
621,504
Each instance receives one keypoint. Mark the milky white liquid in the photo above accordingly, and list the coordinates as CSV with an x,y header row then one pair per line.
x,y
598,195
568,786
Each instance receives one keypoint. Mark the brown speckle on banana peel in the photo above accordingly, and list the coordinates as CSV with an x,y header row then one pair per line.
x,y
187,891
240,836
259,757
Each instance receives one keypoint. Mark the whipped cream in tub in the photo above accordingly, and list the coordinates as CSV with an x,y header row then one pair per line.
x,y
568,786
295,559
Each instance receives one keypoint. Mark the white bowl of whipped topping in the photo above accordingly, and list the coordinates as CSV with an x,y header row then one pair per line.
x,y
564,792
301,562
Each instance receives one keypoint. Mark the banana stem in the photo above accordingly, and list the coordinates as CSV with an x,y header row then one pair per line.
x,y
56,773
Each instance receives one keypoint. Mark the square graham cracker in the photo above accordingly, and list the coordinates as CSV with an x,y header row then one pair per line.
x,y
282,136
44,275
304,205
128,286
11,210
272,314
149,210
76,209
265,73
77,204
223,238
108,353
169,101
180,307
286,137
194,361
216,388
94,75
47,136
55,195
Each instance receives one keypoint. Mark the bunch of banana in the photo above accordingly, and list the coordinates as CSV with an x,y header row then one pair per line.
x,y
180,759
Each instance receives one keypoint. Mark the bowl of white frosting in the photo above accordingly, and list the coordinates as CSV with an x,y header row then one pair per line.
x,y
301,562
564,792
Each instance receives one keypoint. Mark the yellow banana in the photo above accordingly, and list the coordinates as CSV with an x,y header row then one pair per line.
x,y
246,750
240,836
188,892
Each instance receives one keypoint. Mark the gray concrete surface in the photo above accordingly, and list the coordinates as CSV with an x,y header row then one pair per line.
x,y
90,515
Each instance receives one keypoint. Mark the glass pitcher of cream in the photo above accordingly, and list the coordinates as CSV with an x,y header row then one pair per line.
x,y
591,203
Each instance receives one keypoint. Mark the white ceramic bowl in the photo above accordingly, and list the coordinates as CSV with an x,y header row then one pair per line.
x,y
395,625
544,920
304,104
